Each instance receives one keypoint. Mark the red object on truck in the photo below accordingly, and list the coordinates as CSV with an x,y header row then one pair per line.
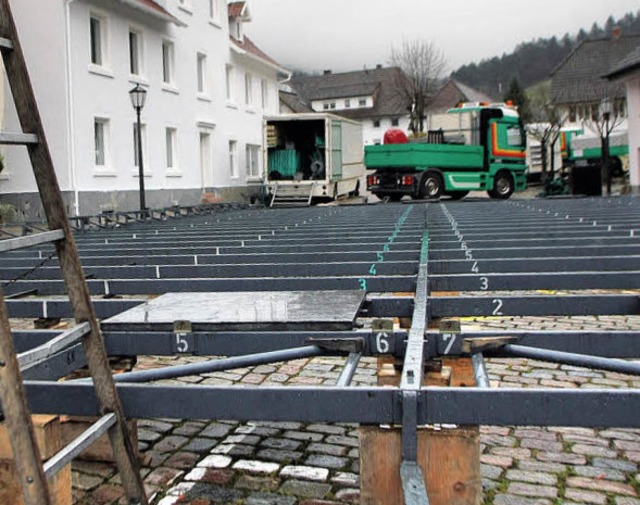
x,y
395,136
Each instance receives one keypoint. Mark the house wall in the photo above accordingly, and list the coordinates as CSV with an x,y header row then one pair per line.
x,y
375,134
633,103
72,96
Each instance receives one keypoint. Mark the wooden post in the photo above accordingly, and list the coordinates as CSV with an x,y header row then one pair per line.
x,y
48,439
449,456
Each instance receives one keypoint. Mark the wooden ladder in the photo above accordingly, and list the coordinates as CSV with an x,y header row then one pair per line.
x,y
32,473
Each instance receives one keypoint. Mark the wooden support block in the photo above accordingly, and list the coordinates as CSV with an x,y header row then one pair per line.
x,y
48,435
449,457
72,427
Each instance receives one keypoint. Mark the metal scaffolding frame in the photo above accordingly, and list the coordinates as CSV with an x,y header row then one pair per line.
x,y
496,253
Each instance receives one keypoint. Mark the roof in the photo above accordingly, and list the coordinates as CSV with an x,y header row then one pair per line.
x,y
628,64
452,93
384,84
152,8
236,9
250,48
578,79
294,102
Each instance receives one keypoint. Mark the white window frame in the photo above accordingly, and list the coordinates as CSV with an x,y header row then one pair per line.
x,y
233,158
168,63
248,89
102,64
102,164
252,161
202,74
264,89
214,12
230,83
171,149
136,55
143,135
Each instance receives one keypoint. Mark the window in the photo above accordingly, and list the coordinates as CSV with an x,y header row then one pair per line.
x,y
514,136
395,122
205,156
214,11
97,29
376,123
171,139
168,62
253,160
229,82
248,89
143,141
202,72
101,142
332,105
362,102
135,52
347,104
325,106
233,158
264,88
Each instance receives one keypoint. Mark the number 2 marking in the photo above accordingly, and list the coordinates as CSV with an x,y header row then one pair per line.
x,y
497,311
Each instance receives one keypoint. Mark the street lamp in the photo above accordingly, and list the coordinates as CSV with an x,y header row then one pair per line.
x,y
138,96
605,110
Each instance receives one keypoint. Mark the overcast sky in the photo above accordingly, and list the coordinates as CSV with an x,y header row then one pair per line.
x,y
343,35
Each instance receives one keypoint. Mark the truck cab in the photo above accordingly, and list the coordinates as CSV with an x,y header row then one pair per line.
x,y
477,147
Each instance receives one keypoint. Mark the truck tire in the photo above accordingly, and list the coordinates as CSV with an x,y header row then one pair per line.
x,y
431,185
503,186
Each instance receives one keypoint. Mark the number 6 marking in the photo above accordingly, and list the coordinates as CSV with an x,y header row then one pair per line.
x,y
497,311
382,343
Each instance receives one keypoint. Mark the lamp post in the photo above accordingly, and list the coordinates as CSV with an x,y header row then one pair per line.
x,y
138,96
605,114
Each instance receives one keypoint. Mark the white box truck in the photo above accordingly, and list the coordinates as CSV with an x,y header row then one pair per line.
x,y
312,157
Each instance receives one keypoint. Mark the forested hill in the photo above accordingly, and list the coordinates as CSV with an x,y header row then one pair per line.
x,y
532,62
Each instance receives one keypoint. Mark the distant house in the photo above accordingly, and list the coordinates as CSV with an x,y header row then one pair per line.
x,y
627,71
450,95
577,84
373,97
208,87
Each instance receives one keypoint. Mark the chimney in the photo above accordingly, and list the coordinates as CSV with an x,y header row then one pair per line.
x,y
616,33
327,72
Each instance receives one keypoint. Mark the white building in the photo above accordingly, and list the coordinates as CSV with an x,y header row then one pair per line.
x,y
208,88
374,97
628,72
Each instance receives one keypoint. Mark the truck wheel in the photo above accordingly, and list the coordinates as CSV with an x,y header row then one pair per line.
x,y
457,195
503,186
431,185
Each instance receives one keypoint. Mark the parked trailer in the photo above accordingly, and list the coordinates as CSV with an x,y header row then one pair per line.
x,y
312,157
487,153
585,149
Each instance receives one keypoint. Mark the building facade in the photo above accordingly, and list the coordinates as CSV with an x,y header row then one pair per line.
x,y
374,97
208,87
627,72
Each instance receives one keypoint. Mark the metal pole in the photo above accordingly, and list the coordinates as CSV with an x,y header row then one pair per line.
x,y
173,372
612,365
349,370
143,205
480,370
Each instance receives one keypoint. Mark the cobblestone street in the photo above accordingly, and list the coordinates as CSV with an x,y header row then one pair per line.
x,y
264,463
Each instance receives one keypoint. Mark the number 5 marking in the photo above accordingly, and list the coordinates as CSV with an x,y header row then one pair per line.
x,y
181,343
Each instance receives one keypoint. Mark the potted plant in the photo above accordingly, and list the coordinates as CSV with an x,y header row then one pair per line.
x,y
7,212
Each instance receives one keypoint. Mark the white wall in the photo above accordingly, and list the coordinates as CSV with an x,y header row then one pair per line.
x,y
375,135
633,105
72,96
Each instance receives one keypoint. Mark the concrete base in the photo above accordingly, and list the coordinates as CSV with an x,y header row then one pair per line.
x,y
95,202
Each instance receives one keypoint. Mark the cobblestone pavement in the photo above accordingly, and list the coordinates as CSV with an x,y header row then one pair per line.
x,y
290,463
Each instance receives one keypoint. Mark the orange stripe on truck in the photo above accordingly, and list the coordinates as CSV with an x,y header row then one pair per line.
x,y
497,151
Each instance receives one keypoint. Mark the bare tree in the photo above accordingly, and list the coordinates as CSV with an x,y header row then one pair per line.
x,y
605,116
424,65
545,124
